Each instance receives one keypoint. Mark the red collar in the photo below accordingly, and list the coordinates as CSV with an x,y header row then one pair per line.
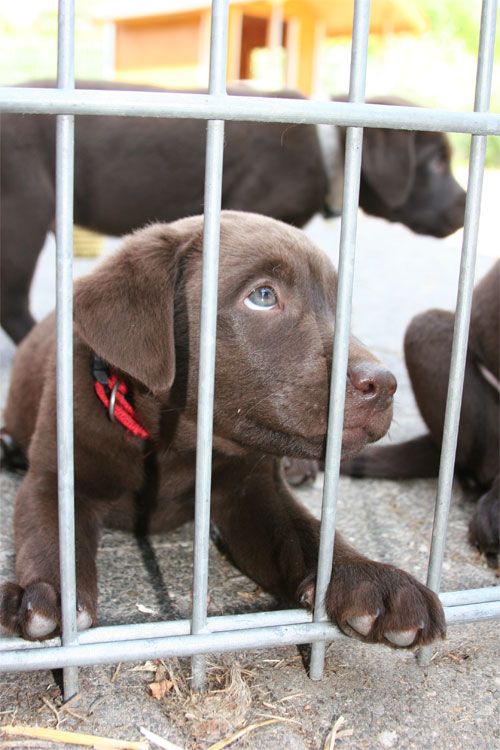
x,y
113,394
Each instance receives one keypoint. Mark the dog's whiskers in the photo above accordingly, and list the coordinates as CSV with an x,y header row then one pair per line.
x,y
260,401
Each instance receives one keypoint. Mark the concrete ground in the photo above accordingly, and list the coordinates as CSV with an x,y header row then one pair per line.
x,y
386,699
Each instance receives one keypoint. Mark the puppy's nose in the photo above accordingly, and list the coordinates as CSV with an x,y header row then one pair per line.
x,y
375,383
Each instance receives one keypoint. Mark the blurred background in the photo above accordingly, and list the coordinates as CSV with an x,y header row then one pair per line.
x,y
419,49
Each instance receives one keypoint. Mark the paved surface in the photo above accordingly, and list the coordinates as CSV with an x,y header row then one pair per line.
x,y
385,698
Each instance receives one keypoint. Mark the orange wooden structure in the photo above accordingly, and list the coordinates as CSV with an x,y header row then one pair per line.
x,y
166,42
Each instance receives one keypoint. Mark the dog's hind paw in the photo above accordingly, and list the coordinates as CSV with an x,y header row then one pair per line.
x,y
34,613
484,524
300,471
11,455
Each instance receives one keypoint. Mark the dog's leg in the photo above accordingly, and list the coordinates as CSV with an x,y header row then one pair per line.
x,y
428,350
484,532
414,458
27,212
428,344
275,541
31,607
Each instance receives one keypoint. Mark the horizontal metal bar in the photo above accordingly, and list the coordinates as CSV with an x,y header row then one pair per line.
x,y
472,613
249,108
470,596
459,606
155,648
175,627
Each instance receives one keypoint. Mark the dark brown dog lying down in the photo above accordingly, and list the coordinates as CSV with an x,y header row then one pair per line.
x,y
139,312
129,171
427,351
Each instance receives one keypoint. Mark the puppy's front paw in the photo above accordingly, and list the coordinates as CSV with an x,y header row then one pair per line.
x,y
34,613
381,604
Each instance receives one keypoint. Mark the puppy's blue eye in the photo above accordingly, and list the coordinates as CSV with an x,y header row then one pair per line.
x,y
262,298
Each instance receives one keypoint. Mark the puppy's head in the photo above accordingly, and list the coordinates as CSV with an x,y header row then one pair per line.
x,y
407,178
140,311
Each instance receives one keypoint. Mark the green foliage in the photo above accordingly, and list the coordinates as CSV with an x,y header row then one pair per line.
x,y
456,19
31,52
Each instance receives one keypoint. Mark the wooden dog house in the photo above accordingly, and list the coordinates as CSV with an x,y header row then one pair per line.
x,y
167,42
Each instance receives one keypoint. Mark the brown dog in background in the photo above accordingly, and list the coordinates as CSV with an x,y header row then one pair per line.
x,y
139,313
427,349
133,170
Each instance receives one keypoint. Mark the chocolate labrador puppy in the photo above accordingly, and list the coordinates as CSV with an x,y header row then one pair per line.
x,y
136,323
427,346
129,171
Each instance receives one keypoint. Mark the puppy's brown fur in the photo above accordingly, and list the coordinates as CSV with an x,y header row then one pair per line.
x,y
140,312
428,343
129,171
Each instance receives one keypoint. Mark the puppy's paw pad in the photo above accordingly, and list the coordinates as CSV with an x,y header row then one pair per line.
x,y
362,624
401,638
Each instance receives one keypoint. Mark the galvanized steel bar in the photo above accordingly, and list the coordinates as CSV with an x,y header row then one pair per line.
x,y
470,596
147,630
471,613
64,318
450,600
211,233
276,636
354,140
158,648
249,108
464,299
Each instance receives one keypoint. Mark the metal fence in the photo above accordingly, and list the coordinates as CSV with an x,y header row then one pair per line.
x,y
202,634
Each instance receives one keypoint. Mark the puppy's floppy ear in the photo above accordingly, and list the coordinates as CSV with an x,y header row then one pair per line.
x,y
388,163
124,310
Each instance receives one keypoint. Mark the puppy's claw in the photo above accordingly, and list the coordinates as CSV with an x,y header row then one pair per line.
x,y
402,638
307,600
83,618
307,593
362,624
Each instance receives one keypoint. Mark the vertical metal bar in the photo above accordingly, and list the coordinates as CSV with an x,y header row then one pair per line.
x,y
462,315
213,190
354,140
64,316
